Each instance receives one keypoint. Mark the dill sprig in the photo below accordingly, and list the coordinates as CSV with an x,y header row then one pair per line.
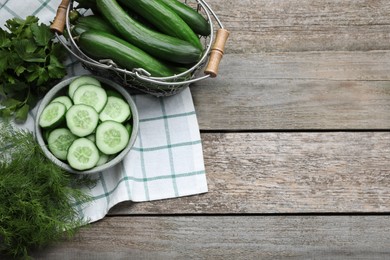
x,y
36,205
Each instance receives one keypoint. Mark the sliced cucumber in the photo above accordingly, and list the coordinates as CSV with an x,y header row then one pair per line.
x,y
111,92
76,133
52,115
91,137
103,159
82,119
129,127
116,109
91,95
59,141
64,100
45,134
82,80
111,137
83,154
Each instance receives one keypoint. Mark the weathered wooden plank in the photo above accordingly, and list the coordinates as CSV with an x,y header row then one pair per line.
x,y
304,25
304,90
229,237
287,173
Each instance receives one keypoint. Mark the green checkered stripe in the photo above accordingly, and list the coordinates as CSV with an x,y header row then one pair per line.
x,y
44,9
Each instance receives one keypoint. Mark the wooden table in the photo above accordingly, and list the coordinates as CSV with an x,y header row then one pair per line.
x,y
295,133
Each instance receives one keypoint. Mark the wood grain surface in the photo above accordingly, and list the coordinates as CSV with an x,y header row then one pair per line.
x,y
297,90
339,172
229,237
296,140
304,25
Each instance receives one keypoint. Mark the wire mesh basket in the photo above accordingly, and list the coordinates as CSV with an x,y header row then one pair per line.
x,y
139,78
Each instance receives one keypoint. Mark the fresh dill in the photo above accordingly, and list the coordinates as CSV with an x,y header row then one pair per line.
x,y
36,205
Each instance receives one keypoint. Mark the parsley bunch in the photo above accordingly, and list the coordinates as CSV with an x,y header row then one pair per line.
x,y
30,64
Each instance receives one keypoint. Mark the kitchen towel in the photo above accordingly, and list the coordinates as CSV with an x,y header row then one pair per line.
x,y
167,158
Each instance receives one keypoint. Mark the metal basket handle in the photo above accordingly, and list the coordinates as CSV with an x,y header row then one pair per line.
x,y
58,24
216,53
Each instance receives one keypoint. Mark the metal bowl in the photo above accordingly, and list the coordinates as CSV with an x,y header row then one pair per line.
x,y
60,89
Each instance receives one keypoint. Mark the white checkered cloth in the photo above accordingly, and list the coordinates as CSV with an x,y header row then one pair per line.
x,y
166,160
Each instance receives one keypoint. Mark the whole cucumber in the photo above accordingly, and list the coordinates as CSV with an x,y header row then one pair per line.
x,y
157,44
88,4
194,19
92,22
102,45
164,18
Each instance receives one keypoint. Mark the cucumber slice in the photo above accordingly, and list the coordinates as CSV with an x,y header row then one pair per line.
x,y
91,95
129,127
82,119
80,81
111,137
91,137
52,115
116,109
59,141
102,159
83,154
45,134
64,100
111,92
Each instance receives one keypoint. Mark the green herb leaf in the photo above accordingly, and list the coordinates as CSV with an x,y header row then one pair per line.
x,y
42,34
22,113
30,61
5,112
11,103
4,39
19,70
16,87
25,48
17,25
56,69
43,76
3,61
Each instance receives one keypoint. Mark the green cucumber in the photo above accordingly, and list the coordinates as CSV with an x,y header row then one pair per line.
x,y
82,120
139,18
129,127
111,137
164,18
116,109
103,158
157,44
115,93
64,100
91,137
82,80
52,115
59,141
101,45
88,4
91,95
83,154
91,22
194,19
